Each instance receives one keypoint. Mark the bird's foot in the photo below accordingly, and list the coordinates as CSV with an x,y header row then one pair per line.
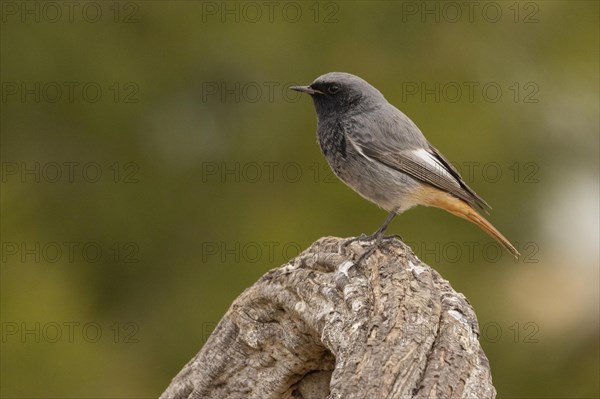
x,y
378,238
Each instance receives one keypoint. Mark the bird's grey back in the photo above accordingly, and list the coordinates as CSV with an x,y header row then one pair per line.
x,y
387,126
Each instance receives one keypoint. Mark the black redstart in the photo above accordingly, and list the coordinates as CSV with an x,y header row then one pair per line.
x,y
382,155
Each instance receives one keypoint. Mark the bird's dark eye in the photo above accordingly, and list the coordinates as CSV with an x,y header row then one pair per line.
x,y
333,89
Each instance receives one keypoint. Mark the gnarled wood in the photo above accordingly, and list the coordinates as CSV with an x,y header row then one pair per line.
x,y
321,327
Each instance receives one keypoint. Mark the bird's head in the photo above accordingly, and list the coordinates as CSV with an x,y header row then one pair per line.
x,y
340,93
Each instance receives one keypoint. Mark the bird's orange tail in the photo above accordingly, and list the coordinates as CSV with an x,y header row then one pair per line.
x,y
430,196
471,215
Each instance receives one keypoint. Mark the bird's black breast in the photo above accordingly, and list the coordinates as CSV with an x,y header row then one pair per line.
x,y
332,139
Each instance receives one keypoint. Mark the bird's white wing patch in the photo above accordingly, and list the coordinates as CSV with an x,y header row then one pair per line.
x,y
432,162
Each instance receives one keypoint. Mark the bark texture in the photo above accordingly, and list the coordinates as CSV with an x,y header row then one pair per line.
x,y
322,327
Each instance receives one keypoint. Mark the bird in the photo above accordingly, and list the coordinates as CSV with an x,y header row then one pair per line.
x,y
380,153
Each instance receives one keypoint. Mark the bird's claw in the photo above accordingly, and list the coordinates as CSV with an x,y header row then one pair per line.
x,y
362,237
377,237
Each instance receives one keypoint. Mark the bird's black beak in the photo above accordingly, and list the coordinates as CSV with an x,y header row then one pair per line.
x,y
306,89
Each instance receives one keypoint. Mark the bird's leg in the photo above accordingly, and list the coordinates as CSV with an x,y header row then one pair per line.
x,y
378,235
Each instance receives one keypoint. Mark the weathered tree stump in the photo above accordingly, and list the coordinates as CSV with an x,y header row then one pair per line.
x,y
321,327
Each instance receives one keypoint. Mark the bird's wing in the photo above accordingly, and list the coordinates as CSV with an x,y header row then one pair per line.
x,y
400,145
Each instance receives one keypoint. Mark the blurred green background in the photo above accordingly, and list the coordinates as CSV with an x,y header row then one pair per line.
x,y
154,165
